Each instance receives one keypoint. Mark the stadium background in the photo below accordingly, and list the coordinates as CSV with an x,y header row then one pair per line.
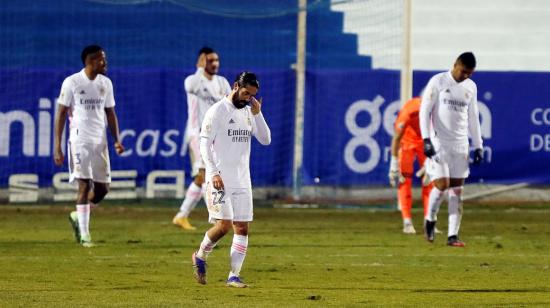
x,y
352,91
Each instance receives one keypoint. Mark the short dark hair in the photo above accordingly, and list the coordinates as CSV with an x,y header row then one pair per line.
x,y
206,50
247,79
467,59
88,50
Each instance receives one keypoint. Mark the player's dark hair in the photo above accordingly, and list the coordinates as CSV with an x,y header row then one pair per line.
x,y
206,50
88,50
468,59
247,79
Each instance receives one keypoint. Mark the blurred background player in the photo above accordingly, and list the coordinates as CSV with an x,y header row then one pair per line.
x,y
203,89
88,98
407,146
226,136
448,112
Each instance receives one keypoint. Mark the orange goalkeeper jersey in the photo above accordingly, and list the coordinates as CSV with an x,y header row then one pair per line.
x,y
408,120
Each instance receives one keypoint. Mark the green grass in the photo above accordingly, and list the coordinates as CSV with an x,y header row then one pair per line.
x,y
296,257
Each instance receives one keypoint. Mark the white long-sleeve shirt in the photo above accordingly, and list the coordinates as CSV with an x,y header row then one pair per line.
x,y
449,111
201,94
225,142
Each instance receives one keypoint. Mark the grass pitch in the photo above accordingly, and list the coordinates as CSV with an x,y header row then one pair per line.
x,y
296,257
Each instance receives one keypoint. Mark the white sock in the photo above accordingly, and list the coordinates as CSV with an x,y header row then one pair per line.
x,y
407,221
436,197
192,197
83,212
455,210
206,247
238,253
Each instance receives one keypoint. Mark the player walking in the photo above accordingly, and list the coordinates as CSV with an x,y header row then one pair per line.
x,y
87,98
203,89
407,146
448,112
226,136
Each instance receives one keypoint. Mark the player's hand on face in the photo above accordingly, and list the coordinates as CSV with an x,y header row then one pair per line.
x,y
217,182
58,157
201,61
119,148
256,105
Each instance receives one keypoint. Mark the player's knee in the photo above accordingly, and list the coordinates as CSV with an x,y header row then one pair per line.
x,y
198,180
224,226
100,191
240,228
441,184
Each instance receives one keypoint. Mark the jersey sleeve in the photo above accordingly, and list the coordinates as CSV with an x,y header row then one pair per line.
x,y
192,82
429,97
403,119
227,87
208,135
66,97
210,125
260,129
473,122
110,99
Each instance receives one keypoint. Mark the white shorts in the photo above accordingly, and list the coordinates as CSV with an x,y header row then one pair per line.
x,y
449,162
230,204
89,161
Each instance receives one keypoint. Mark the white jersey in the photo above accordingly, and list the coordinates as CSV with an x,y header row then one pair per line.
x,y
201,94
87,100
449,111
225,142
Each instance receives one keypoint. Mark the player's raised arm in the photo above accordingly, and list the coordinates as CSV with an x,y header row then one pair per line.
x,y
261,130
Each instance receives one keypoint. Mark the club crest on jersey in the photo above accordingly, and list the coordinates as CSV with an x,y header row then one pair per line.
x,y
101,91
249,121
467,95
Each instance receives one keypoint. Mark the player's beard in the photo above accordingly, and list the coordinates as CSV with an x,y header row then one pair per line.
x,y
238,103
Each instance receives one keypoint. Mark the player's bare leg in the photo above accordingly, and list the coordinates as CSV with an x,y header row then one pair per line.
x,y
97,193
80,218
455,212
436,197
192,197
211,238
405,201
238,254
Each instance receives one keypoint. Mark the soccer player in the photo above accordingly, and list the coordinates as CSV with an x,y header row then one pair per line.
x,y
226,135
203,89
88,100
407,146
448,112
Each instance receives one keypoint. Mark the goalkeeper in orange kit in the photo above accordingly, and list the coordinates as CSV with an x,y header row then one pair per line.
x,y
407,145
